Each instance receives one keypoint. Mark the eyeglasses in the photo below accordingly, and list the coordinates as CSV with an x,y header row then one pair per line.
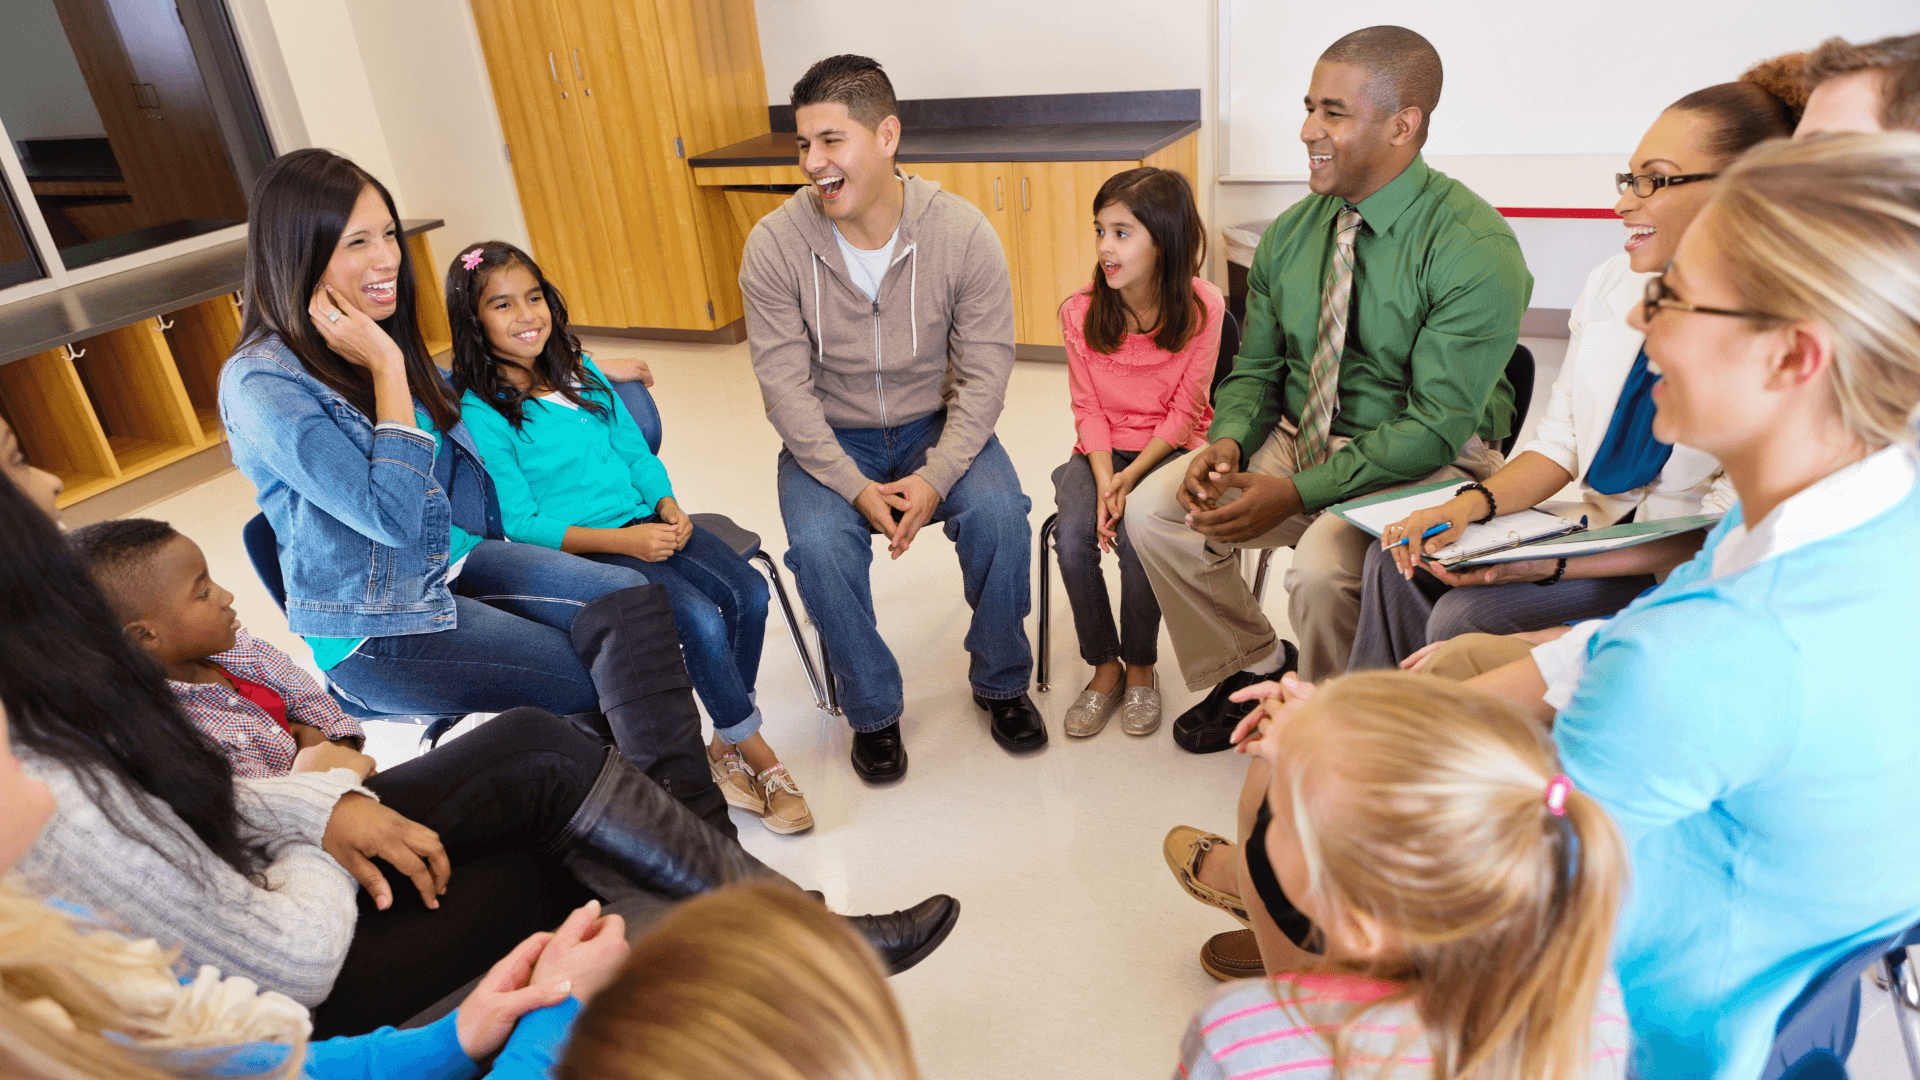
x,y
1644,186
1659,296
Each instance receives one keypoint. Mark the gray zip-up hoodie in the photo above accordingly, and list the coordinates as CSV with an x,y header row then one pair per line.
x,y
939,336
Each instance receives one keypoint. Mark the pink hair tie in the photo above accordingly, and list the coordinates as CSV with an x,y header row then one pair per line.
x,y
472,258
1558,789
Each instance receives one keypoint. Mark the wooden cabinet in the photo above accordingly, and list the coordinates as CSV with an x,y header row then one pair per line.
x,y
1041,210
601,102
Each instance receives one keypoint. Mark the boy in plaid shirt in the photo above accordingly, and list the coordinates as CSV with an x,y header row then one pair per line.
x,y
268,715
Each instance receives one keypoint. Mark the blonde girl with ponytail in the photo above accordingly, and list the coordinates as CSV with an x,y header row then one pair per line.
x,y
1461,894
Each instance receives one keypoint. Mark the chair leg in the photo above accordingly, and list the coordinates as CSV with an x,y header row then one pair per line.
x,y
1045,647
826,671
793,628
1904,983
1260,575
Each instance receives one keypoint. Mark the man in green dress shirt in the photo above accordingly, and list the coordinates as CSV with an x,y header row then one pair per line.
x,y
1381,312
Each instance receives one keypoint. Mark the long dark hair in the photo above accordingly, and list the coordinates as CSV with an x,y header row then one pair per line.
x,y
301,204
78,692
1161,200
559,366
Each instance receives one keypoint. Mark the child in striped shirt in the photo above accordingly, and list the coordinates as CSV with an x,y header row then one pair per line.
x,y
1461,892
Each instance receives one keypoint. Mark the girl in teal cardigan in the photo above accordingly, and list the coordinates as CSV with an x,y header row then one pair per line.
x,y
574,473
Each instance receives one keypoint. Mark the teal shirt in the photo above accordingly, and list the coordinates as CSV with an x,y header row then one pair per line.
x,y
1754,737
566,467
1439,286
329,651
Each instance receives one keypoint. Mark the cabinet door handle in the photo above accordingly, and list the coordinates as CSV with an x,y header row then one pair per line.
x,y
998,204
576,66
551,70
1025,204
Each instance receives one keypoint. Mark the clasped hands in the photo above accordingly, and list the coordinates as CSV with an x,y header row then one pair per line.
x,y
657,541
578,960
1264,501
911,496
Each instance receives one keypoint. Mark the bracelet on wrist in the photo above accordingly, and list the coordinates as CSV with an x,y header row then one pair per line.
x,y
1558,569
1493,508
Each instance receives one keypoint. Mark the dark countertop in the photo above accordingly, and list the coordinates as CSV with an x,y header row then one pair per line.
x,y
53,319
1121,141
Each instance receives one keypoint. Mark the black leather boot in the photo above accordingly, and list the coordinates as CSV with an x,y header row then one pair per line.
x,y
630,645
629,836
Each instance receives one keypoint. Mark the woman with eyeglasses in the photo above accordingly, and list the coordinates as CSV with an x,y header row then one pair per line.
x,y
1596,432
1750,723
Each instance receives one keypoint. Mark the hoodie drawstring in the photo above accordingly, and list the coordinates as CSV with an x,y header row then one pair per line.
x,y
820,335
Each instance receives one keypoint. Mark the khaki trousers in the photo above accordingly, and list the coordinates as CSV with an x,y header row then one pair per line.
x,y
1216,625
1468,655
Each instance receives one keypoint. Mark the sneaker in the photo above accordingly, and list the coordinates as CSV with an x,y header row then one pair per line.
x,y
1207,727
786,809
735,779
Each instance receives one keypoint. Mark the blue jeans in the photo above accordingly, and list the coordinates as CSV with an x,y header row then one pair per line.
x,y
830,551
515,606
720,606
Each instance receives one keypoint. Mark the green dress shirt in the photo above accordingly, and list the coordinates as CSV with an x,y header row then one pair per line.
x,y
1439,286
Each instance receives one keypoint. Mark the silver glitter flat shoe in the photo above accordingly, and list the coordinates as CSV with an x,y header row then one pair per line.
x,y
1089,712
1140,710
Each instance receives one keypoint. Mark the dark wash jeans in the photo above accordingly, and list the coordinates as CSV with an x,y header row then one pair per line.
x,y
1076,539
830,551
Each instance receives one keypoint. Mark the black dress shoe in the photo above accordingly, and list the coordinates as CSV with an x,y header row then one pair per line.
x,y
904,938
1205,728
879,756
1017,725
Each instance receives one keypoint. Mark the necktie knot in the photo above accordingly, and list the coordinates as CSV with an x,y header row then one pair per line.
x,y
1347,226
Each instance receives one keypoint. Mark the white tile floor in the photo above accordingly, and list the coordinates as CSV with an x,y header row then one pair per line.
x,y
1075,954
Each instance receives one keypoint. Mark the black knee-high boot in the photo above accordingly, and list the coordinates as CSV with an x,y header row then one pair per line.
x,y
630,645
629,837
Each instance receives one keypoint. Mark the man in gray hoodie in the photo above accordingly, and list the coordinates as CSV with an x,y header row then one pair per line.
x,y
880,316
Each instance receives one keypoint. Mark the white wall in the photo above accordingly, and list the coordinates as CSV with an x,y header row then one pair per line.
x,y
44,94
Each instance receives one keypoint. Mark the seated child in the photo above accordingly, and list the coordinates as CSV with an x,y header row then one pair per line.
x,y
1463,894
752,982
574,473
268,715
1142,343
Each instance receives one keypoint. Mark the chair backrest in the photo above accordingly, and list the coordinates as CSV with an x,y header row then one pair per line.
x,y
1816,1031
639,401
1520,377
263,551
1229,348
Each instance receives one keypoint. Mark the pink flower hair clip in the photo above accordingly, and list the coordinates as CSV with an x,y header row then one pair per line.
x,y
472,258
1558,789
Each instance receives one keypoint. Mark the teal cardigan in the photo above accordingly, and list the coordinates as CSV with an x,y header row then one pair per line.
x,y
566,467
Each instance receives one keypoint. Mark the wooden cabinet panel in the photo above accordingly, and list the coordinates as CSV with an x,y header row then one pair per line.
x,y
1053,214
645,191
529,64
137,393
201,338
42,399
989,185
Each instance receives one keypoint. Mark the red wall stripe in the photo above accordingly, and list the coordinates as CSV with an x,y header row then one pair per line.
x,y
1555,212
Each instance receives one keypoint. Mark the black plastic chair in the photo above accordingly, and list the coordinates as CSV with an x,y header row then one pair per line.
x,y
1519,376
1816,1031
746,544
1222,367
263,551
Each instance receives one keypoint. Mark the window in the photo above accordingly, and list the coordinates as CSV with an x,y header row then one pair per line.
x,y
133,122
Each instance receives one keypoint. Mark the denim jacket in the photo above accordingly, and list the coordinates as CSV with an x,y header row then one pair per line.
x,y
361,512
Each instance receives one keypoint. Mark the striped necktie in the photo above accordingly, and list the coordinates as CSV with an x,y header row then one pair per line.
x,y
1323,388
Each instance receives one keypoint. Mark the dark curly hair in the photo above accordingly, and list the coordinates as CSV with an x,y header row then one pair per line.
x,y
561,366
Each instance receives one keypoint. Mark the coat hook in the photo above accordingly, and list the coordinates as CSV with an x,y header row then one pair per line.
x,y
71,354
162,322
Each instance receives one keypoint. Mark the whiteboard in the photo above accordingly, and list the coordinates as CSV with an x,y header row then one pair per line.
x,y
1525,79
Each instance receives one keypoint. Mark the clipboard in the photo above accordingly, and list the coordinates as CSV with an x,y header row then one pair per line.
x,y
1594,541
1374,513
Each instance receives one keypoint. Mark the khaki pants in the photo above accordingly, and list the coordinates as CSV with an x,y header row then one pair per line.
x,y
1468,655
1216,625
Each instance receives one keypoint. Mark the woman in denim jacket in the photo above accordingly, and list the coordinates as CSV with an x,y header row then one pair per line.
x,y
390,544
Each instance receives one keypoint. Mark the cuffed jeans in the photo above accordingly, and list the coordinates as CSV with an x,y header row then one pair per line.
x,y
514,606
830,551
720,607
1076,540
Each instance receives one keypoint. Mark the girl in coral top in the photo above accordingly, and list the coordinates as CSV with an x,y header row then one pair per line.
x,y
1142,342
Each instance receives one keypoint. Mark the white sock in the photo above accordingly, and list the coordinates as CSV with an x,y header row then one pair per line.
x,y
1271,662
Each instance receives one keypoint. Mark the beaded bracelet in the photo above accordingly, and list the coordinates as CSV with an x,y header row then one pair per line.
x,y
1557,571
1493,508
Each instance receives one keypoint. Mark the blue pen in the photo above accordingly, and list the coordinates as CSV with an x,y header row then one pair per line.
x,y
1435,531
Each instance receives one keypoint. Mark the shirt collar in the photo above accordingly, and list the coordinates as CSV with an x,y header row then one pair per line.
x,y
1384,207
1838,502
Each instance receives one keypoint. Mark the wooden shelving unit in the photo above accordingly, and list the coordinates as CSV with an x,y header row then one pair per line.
x,y
201,337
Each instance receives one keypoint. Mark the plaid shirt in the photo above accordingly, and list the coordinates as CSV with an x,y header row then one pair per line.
x,y
255,742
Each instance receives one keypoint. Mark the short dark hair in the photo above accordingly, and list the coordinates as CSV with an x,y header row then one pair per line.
x,y
1403,69
854,81
1896,58
119,554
